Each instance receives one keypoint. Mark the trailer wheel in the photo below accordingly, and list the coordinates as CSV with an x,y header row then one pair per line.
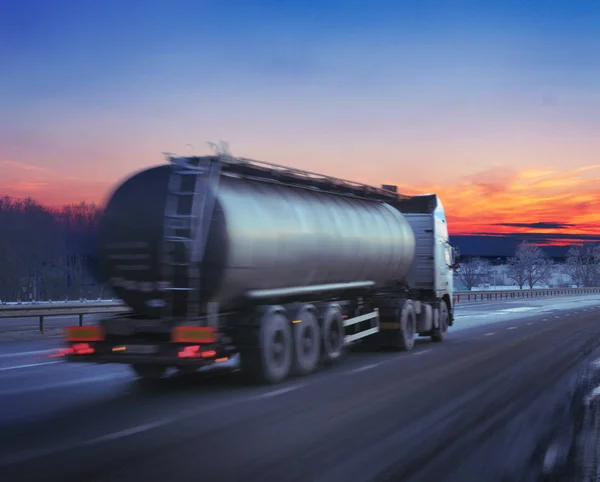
x,y
307,343
149,372
439,333
332,335
269,358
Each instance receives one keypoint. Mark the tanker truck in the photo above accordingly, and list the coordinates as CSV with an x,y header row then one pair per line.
x,y
219,256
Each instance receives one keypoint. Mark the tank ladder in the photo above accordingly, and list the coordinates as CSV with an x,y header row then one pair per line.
x,y
189,207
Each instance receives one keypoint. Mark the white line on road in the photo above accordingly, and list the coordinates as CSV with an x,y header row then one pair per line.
x,y
545,319
489,334
274,393
29,365
363,368
68,383
124,433
512,328
26,455
27,353
422,352
530,323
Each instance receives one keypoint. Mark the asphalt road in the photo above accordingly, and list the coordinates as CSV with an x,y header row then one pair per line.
x,y
479,406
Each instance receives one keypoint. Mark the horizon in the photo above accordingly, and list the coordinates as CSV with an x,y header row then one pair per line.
x,y
493,107
482,245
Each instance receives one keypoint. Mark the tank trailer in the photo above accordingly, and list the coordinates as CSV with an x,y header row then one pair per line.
x,y
219,256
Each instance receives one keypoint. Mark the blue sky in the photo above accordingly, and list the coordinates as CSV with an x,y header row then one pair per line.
x,y
426,94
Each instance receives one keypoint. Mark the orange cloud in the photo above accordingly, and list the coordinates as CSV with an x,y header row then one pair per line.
x,y
498,200
505,201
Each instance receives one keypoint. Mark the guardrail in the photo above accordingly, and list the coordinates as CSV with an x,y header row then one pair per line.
x,y
490,295
44,310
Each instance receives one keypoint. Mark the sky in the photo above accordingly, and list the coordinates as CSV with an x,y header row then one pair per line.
x,y
493,105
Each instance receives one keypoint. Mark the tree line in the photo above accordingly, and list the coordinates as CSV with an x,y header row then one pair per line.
x,y
49,254
46,253
530,267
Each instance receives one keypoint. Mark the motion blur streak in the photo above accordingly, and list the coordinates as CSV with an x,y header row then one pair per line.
x,y
409,416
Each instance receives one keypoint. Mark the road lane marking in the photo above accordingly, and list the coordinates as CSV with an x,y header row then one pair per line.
x,y
68,383
28,353
274,393
545,319
363,368
512,328
422,352
26,455
29,365
530,323
124,433
489,334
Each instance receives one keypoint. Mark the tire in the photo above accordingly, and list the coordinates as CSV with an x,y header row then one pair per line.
x,y
332,335
268,359
402,313
408,327
148,371
307,343
439,333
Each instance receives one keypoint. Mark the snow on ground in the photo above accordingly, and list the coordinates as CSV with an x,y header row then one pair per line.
x,y
469,315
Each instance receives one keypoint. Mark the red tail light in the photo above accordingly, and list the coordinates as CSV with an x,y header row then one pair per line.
x,y
75,349
85,333
194,334
193,351
189,352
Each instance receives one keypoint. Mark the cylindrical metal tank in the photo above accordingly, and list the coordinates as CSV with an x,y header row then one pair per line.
x,y
263,235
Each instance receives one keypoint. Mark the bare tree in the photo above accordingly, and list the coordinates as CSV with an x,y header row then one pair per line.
x,y
583,264
45,253
473,272
564,279
529,266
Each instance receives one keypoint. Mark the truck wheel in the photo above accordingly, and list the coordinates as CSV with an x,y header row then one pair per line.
x,y
401,313
439,333
270,357
307,343
408,327
149,372
332,335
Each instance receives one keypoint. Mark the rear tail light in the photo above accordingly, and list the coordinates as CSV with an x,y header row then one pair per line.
x,y
194,351
75,349
85,333
194,334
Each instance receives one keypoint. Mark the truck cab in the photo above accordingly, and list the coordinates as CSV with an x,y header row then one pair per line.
x,y
431,273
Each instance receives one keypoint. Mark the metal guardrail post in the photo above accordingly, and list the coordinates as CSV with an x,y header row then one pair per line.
x,y
42,324
80,319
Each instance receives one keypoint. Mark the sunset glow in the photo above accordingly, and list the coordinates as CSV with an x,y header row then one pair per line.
x,y
494,107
